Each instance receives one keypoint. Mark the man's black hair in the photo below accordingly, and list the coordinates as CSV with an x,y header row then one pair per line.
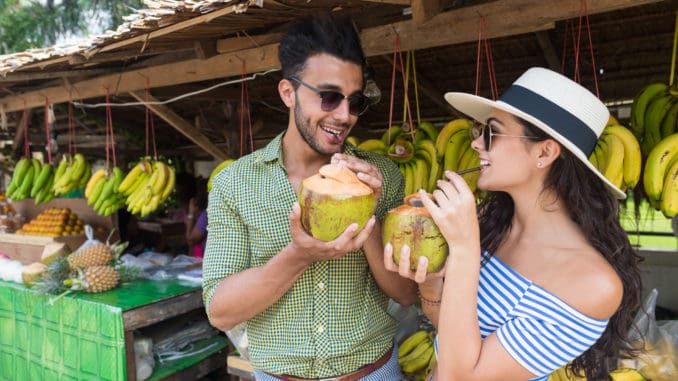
x,y
317,34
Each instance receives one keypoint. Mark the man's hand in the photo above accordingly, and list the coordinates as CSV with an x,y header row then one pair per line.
x,y
314,250
366,172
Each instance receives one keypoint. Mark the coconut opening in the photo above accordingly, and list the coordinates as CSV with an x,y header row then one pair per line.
x,y
416,202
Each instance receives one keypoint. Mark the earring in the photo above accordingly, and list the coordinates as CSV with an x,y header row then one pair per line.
x,y
539,164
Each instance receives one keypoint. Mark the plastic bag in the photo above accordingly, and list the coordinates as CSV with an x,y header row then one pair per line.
x,y
238,337
658,341
89,233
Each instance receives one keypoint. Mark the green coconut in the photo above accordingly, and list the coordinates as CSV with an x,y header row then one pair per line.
x,y
333,199
411,224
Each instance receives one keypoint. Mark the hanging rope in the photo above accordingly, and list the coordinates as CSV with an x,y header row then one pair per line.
x,y
673,57
47,137
71,126
245,103
110,137
27,149
483,42
583,15
416,87
149,123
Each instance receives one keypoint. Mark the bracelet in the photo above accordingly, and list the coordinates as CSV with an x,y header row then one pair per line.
x,y
434,303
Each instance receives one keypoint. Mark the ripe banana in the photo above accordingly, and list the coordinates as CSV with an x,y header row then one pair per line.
x,y
656,110
614,171
639,107
455,148
669,198
632,154
417,351
448,130
354,141
96,176
417,359
668,126
373,145
657,164
411,342
470,159
131,178
169,187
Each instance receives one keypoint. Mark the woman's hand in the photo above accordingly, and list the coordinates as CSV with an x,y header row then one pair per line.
x,y
403,268
454,210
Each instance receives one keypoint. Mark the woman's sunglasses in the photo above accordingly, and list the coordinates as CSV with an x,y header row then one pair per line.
x,y
330,99
486,132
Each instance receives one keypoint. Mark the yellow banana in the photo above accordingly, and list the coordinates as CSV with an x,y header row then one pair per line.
x,y
417,351
373,145
593,159
354,141
409,177
656,110
614,170
627,374
601,155
411,342
420,362
455,148
669,198
470,159
97,189
131,178
169,187
451,128
632,154
639,106
93,181
420,174
657,164
163,174
218,169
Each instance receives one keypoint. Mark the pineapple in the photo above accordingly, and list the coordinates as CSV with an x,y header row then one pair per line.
x,y
95,255
95,279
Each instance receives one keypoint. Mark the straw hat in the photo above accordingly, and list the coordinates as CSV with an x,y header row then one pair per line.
x,y
563,109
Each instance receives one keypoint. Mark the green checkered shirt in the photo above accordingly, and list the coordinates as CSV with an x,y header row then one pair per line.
x,y
333,320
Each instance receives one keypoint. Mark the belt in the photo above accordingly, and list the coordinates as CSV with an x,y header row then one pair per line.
x,y
354,376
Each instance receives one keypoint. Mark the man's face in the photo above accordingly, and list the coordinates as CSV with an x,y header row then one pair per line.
x,y
325,131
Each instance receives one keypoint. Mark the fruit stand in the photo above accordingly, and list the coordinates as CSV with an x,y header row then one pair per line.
x,y
91,336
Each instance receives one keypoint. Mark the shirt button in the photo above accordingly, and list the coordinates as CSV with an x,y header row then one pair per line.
x,y
321,285
321,329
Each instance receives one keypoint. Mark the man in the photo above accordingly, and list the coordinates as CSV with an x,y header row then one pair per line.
x,y
314,309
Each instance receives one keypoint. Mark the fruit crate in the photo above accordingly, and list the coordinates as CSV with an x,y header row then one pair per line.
x,y
28,248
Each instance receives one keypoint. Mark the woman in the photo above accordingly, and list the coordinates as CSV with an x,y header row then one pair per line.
x,y
540,273
196,220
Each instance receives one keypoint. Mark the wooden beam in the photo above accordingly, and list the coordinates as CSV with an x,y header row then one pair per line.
x,y
423,10
395,2
546,46
502,17
228,45
174,120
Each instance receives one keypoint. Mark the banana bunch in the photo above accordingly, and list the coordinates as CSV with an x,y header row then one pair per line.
x,y
146,186
102,192
417,161
621,374
617,155
31,179
73,172
660,179
416,355
654,114
454,149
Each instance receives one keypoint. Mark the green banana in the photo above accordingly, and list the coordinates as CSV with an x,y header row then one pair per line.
x,y
26,183
420,362
470,159
451,128
430,130
656,110
45,193
601,155
391,135
19,171
409,178
41,179
656,165
352,140
593,160
668,126
96,191
401,151
421,170
669,198
639,106
632,154
412,342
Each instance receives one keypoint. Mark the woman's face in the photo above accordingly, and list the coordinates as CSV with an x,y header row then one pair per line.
x,y
509,161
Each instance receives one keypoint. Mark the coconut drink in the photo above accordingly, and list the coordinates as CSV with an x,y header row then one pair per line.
x,y
333,199
411,224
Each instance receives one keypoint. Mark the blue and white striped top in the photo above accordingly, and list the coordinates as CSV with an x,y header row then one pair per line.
x,y
539,330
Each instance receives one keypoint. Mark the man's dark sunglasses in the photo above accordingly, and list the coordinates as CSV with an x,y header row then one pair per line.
x,y
330,99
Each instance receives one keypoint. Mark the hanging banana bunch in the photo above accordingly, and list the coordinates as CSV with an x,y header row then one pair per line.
x,y
147,185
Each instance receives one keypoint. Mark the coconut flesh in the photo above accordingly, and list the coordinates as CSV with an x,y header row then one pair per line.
x,y
411,224
333,199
